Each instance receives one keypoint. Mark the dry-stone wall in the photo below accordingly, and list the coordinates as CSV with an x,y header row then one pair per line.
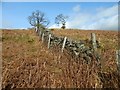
x,y
77,49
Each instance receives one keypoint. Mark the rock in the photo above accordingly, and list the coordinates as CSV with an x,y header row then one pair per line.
x,y
74,48
87,59
76,53
81,48
89,53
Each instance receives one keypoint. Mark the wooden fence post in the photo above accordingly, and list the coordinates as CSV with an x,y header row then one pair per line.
x,y
64,43
42,37
94,44
118,60
36,29
49,37
40,33
37,63
30,77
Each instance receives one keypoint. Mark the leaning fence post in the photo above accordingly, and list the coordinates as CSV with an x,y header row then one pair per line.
x,y
49,40
93,38
64,43
42,37
118,59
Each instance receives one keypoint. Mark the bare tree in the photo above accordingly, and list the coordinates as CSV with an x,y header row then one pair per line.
x,y
38,19
61,19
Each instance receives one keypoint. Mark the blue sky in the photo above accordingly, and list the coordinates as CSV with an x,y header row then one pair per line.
x,y
84,15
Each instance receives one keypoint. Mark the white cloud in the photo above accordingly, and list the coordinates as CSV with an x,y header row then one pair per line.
x,y
54,26
103,19
110,23
107,12
79,20
76,8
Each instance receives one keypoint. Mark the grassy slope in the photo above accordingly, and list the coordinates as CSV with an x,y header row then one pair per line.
x,y
108,42
108,39
28,63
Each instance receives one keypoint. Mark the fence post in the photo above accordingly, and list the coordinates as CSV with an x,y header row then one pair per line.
x,y
118,60
42,37
94,44
39,33
37,63
36,29
64,43
30,77
49,37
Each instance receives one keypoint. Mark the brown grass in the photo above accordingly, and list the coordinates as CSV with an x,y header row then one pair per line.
x,y
28,63
108,43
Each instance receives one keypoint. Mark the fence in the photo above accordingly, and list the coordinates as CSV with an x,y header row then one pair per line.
x,y
82,48
79,49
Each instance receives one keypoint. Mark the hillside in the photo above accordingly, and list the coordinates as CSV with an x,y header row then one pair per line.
x,y
108,39
28,63
108,43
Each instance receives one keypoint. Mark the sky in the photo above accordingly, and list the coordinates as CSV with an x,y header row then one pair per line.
x,y
82,15
60,0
